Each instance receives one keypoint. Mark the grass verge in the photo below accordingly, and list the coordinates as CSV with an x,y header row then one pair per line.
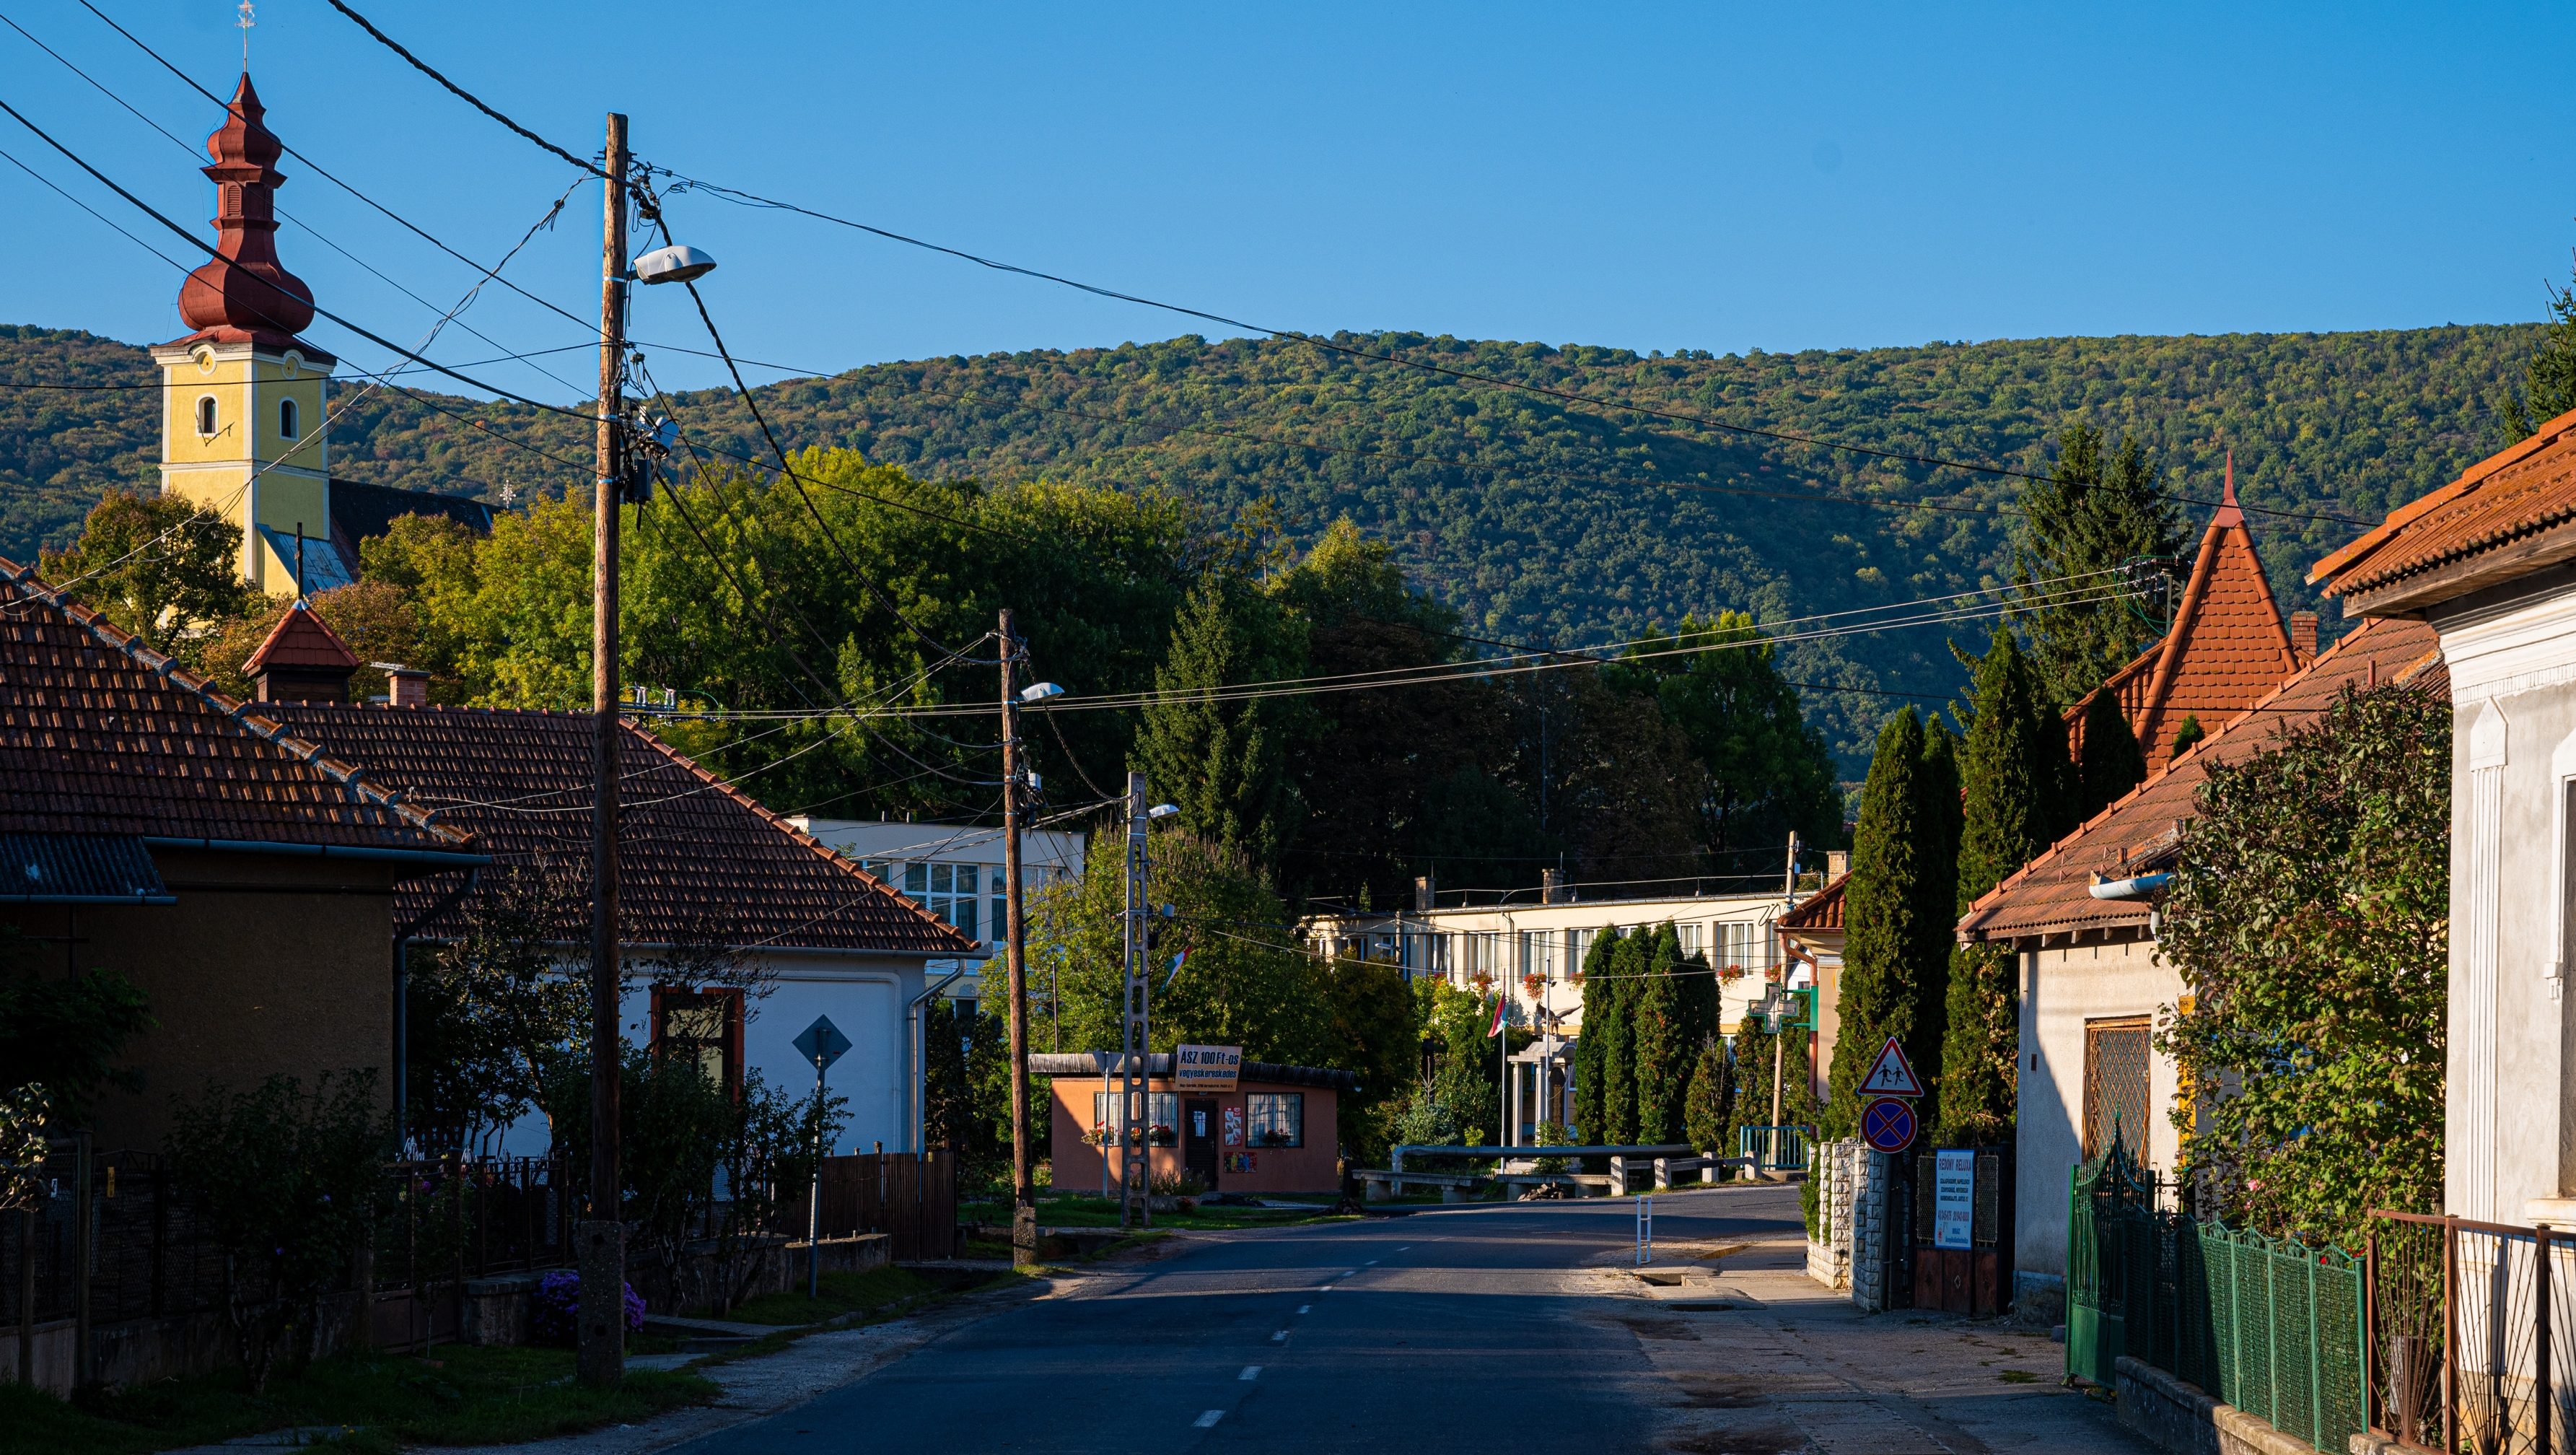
x,y
456,1395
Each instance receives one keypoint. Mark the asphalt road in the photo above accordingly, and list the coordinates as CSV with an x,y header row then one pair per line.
x,y
1464,1329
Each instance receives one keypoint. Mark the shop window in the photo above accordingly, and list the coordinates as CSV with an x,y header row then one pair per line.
x,y
1276,1119
702,1028
1162,1115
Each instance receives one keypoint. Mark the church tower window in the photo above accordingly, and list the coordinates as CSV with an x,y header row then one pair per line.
x,y
286,421
206,415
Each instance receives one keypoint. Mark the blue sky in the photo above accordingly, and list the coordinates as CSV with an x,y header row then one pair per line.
x,y
1718,177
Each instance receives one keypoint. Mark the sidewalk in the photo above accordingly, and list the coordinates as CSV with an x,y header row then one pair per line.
x,y
1766,1362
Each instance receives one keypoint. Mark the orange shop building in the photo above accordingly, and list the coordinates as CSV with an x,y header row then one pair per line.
x,y
1277,1130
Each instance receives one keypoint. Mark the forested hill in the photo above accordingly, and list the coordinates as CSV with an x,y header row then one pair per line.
x,y
1542,520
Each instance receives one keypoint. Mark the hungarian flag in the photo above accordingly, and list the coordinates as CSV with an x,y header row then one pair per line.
x,y
1502,1012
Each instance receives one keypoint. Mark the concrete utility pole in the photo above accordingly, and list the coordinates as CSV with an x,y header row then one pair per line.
x,y
1135,1139
602,1254
1024,1195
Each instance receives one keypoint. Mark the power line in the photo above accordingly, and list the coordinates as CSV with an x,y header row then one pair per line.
x,y
1337,346
468,97
361,331
334,179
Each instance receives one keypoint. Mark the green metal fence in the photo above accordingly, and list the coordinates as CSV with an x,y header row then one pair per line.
x,y
2269,1325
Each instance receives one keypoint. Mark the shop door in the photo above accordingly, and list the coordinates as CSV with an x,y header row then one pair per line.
x,y
1199,1133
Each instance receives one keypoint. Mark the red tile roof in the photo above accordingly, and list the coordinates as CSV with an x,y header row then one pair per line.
x,y
302,639
2510,513
2053,893
100,734
699,862
2227,647
1822,910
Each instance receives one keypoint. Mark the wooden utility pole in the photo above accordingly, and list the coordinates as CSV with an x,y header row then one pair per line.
x,y
1015,943
602,1305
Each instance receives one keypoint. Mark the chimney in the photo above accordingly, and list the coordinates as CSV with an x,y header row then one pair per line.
x,y
406,686
1837,864
2303,636
1422,894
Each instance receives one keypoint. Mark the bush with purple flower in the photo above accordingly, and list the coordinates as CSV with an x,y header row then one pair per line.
x,y
555,1315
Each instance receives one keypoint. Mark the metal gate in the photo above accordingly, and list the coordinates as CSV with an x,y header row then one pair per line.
x,y
2106,1221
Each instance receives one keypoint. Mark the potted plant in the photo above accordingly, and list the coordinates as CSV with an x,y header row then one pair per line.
x,y
1274,1137
1534,985
1164,1136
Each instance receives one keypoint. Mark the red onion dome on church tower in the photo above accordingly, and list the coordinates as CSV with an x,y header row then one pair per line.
x,y
244,294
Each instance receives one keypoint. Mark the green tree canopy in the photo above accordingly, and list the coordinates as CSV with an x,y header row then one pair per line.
x,y
155,565
1224,762
1767,772
2112,762
2309,916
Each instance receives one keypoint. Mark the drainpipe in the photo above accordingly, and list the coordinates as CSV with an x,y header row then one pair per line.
x,y
916,1044
402,1001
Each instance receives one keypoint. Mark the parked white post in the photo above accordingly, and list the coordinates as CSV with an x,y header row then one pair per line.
x,y
1645,1230
821,1043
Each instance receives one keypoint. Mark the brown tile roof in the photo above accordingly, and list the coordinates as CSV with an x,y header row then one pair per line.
x,y
1822,910
100,734
699,859
2512,512
302,639
2227,647
2053,893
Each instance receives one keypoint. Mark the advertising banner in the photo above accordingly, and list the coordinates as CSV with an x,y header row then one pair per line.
x,y
1206,1068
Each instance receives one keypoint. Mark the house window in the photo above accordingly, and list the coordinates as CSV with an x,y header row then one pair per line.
x,y
206,414
2115,1085
1275,1119
702,1028
951,891
286,420
1162,1114
1691,938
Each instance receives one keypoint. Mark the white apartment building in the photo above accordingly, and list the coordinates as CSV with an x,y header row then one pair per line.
x,y
1530,950
953,870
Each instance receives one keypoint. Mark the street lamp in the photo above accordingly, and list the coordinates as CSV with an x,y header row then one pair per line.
x,y
1040,692
678,263
1162,810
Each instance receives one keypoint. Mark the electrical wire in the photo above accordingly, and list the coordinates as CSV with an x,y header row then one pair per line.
x,y
175,140
468,97
333,178
1337,346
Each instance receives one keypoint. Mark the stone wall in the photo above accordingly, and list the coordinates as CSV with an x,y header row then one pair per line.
x,y
1871,1180
1829,1253
2183,1418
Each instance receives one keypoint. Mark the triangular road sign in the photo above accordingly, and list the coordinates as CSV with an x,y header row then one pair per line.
x,y
1891,1074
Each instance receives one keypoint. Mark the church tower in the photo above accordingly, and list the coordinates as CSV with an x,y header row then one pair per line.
x,y
242,423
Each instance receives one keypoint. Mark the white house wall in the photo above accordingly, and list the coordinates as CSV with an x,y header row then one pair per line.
x,y
2513,692
2062,990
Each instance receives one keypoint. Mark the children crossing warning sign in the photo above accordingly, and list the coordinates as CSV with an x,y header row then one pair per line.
x,y
1891,1074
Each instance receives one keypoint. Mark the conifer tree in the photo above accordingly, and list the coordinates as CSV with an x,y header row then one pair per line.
x,y
1711,1100
2009,775
1663,1037
1622,974
1600,1007
1904,877
2092,516
2112,762
2549,379
1223,763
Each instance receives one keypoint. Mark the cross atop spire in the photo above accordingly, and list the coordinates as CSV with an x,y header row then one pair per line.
x,y
246,23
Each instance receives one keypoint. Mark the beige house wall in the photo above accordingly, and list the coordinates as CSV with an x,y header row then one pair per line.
x,y
266,964
2064,989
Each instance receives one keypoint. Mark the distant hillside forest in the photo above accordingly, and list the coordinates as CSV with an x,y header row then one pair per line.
x,y
1540,520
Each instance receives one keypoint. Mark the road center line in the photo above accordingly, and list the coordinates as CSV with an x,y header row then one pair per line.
x,y
1207,1421
1250,1372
